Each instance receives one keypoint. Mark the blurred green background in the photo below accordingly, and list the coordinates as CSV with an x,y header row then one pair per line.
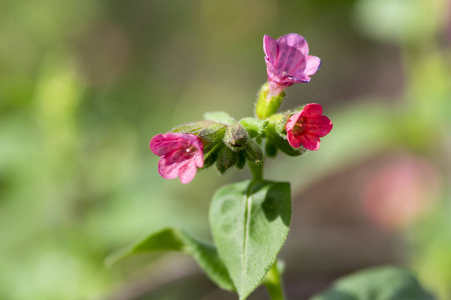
x,y
85,84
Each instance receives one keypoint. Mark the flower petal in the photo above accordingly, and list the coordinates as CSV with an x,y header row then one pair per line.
x,y
187,172
193,140
168,170
318,126
294,40
292,121
310,142
313,63
293,140
270,48
164,144
199,159
292,53
312,110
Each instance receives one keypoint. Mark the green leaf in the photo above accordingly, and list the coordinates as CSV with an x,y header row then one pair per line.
x,y
171,239
383,283
250,222
193,127
219,116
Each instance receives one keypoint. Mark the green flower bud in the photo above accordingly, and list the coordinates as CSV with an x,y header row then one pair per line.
x,y
254,127
241,161
270,148
211,152
276,124
226,159
236,137
253,152
213,133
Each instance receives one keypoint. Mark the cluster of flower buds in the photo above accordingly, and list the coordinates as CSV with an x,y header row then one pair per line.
x,y
226,142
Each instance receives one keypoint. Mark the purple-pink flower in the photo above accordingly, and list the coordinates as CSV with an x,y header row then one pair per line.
x,y
307,126
288,62
181,155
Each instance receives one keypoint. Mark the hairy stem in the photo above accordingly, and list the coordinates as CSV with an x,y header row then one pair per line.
x,y
257,170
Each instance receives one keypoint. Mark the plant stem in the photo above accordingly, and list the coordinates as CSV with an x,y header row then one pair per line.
x,y
256,170
273,284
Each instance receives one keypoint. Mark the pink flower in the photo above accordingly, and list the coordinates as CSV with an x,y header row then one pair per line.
x,y
307,126
181,155
288,62
400,190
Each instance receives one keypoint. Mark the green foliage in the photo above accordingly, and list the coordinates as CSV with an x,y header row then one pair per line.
x,y
384,283
171,239
250,222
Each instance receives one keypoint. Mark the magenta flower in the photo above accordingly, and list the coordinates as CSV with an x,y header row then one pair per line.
x,y
307,126
288,62
181,155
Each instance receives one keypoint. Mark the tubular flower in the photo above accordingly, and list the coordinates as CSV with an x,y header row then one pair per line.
x,y
307,126
181,155
288,62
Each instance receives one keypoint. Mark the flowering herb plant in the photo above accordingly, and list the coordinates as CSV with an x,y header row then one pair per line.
x,y
250,219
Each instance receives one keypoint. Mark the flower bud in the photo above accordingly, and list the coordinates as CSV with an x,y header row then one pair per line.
x,y
241,161
211,152
270,148
226,159
236,137
276,124
253,152
254,127
213,133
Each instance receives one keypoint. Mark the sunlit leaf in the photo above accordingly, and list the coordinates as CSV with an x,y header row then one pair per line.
x,y
171,239
250,222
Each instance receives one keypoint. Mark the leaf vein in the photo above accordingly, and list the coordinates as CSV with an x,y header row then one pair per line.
x,y
247,214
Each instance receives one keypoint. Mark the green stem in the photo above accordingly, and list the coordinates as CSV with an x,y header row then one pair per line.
x,y
266,104
256,170
273,284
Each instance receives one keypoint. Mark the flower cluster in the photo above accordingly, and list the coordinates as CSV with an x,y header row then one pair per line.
x,y
222,140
